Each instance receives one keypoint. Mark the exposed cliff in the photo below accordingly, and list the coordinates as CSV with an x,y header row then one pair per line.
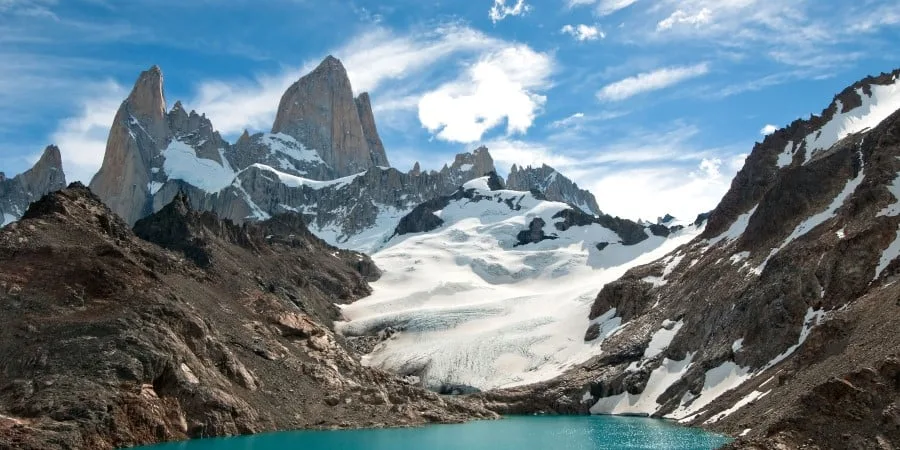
x,y
18,192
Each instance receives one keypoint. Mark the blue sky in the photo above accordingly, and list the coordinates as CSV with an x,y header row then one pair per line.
x,y
651,104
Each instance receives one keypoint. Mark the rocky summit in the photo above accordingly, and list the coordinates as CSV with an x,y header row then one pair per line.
x,y
197,328
18,192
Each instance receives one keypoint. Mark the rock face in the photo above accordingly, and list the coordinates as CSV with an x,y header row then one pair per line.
x,y
779,322
136,139
320,112
553,185
110,341
18,192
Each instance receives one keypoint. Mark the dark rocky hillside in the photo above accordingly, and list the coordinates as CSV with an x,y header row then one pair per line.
x,y
107,340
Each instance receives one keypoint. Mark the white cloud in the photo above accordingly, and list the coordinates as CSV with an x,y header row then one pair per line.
x,y
681,17
500,11
650,81
582,32
651,192
82,138
768,129
568,121
501,86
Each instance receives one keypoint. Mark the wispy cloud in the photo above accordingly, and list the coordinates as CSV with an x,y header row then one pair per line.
x,y
500,10
604,7
582,32
681,17
650,81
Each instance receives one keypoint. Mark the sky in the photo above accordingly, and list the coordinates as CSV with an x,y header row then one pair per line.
x,y
650,104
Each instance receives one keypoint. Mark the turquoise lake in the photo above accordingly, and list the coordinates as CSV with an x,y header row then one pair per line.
x,y
511,433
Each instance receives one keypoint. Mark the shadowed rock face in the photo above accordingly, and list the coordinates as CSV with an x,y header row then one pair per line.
x,y
18,192
319,111
109,341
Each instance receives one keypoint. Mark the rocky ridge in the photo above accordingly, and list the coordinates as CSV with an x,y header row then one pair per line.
x,y
18,192
779,323
553,185
323,148
107,340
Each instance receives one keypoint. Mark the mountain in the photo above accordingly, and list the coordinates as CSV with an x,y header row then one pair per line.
x,y
197,328
18,192
323,149
553,186
320,112
778,323
490,287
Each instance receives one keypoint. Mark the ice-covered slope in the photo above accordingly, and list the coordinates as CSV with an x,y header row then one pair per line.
x,y
466,305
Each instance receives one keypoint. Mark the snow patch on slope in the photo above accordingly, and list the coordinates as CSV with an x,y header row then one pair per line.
x,y
787,156
667,374
182,163
736,229
294,181
884,101
718,381
816,219
811,319
889,254
893,209
288,146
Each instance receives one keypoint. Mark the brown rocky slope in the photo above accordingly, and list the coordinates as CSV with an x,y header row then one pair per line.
x,y
107,340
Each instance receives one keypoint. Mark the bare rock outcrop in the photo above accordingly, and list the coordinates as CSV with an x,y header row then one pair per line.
x,y
319,111
553,185
138,135
18,192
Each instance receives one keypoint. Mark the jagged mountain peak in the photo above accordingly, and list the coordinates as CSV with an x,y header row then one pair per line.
x,y
17,193
147,100
330,64
552,185
320,112
858,108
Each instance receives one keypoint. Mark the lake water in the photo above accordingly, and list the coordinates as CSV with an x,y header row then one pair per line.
x,y
511,433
